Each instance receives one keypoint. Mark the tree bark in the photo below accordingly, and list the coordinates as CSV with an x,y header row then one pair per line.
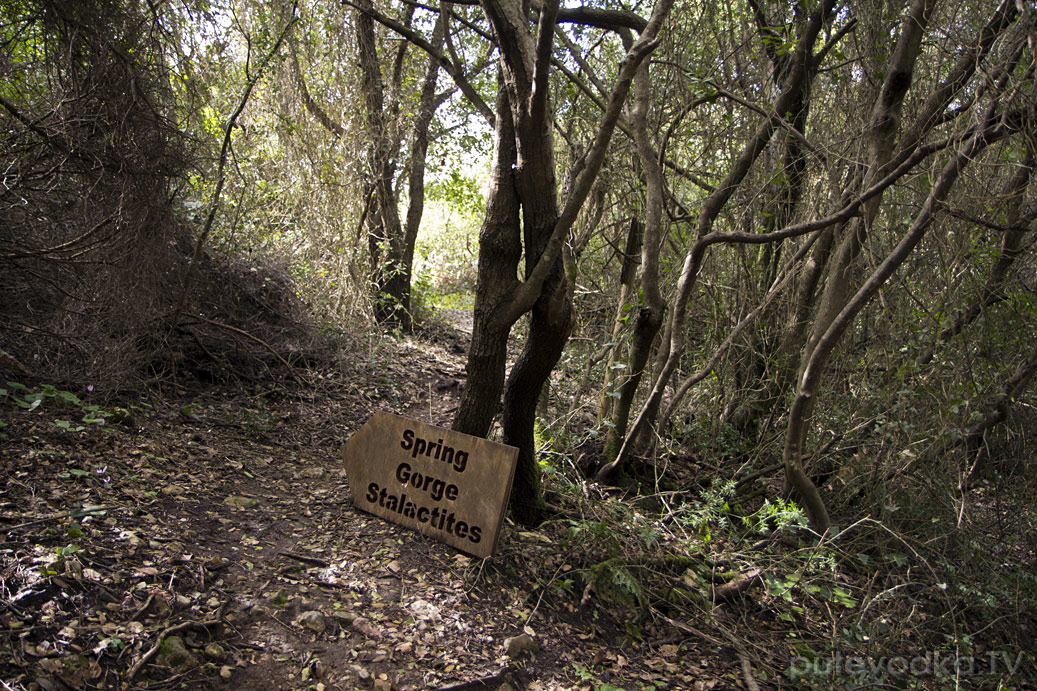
x,y
524,203
500,250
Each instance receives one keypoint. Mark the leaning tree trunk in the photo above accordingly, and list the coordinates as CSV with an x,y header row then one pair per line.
x,y
549,327
524,196
650,315
500,249
627,282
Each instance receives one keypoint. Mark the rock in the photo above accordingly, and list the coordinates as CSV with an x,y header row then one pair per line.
x,y
424,611
367,628
520,644
225,673
343,618
240,501
382,685
215,651
312,620
172,653
447,384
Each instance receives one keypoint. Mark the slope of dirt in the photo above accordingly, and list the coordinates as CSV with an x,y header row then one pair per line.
x,y
206,539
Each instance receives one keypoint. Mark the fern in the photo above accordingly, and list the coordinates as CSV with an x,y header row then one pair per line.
x,y
615,583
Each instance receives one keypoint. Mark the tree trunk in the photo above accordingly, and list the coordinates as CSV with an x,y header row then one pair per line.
x,y
883,129
500,249
549,327
650,315
711,208
524,195
813,367
627,280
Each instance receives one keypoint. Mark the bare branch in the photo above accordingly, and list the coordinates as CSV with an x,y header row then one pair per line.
x,y
454,70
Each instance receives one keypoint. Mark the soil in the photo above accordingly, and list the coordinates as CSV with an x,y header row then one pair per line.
x,y
204,537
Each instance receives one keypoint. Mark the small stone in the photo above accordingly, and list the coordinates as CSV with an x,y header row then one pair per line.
x,y
172,653
520,644
240,501
382,685
312,620
215,651
225,673
343,618
367,628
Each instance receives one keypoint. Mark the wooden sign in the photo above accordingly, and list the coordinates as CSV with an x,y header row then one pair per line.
x,y
450,486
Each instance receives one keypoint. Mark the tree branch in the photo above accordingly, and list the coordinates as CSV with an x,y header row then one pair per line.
x,y
529,290
220,176
448,66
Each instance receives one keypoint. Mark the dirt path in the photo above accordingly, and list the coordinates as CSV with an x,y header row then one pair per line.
x,y
227,554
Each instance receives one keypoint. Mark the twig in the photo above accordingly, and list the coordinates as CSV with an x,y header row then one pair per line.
x,y
49,516
689,630
144,608
304,559
183,626
736,586
758,474
45,517
220,177
743,656
747,673
487,682
257,339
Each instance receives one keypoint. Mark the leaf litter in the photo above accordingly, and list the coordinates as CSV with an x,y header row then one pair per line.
x,y
209,541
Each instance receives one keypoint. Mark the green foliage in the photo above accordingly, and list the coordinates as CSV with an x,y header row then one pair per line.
x,y
614,582
30,400
711,512
446,249
778,515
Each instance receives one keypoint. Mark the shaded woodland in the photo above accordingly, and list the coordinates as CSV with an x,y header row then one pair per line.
x,y
751,286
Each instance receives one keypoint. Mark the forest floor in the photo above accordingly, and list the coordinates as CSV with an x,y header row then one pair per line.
x,y
204,537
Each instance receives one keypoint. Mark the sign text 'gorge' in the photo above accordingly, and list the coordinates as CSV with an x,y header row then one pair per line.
x,y
444,484
436,488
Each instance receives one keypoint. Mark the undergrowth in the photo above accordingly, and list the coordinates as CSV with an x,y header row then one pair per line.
x,y
875,604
